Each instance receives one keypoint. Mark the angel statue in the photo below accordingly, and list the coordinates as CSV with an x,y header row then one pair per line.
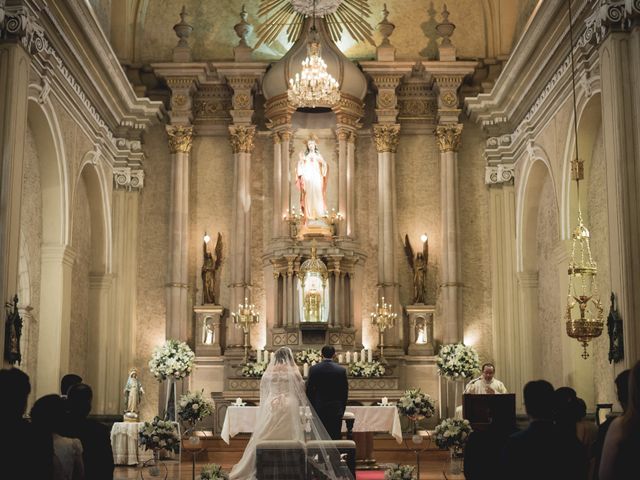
x,y
418,264
133,392
210,266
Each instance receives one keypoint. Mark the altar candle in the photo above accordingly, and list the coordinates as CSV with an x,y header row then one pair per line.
x,y
348,357
238,401
340,358
363,352
258,355
305,369
273,355
355,357
370,355
384,400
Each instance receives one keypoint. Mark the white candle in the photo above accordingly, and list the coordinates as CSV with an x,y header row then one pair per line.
x,y
305,369
348,357
370,355
362,354
355,356
273,355
238,401
384,400
259,355
340,358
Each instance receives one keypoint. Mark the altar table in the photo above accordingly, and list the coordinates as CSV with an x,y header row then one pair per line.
x,y
368,419
124,443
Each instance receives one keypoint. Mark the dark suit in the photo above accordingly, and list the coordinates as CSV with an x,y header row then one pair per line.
x,y
96,447
328,390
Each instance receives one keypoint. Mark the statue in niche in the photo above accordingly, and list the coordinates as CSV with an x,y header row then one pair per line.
x,y
421,330
418,264
209,332
210,266
133,392
311,180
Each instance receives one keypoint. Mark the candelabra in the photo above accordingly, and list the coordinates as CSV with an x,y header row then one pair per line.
x,y
383,318
244,319
333,219
294,218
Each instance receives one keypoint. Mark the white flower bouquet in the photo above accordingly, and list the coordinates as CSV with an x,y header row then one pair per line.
x,y
400,472
159,434
254,369
452,433
193,407
173,359
457,361
366,369
309,356
416,405
213,472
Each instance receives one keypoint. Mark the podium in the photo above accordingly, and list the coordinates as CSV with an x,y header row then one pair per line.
x,y
481,409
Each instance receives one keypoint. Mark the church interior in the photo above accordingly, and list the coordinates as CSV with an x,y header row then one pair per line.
x,y
467,174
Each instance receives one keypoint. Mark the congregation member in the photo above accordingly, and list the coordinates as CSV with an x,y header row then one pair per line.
x,y
622,442
94,436
68,381
542,450
486,383
47,416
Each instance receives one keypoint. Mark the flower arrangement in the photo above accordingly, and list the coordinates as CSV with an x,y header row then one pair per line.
x,y
400,472
309,356
457,361
213,472
173,359
254,369
193,407
159,434
452,433
416,405
366,369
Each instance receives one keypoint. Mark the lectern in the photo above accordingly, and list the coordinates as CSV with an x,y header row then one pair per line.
x,y
480,409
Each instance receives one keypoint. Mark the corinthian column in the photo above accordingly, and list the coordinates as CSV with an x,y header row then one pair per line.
x,y
180,140
448,137
241,138
386,139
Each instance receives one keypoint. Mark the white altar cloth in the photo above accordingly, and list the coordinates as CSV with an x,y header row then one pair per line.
x,y
124,443
368,419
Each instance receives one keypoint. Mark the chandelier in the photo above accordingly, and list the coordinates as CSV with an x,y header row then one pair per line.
x,y
314,86
585,322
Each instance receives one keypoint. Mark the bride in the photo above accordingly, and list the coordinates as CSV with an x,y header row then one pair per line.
x,y
285,414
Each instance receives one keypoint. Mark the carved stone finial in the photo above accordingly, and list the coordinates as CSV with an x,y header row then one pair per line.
x,y
445,29
386,52
183,29
243,28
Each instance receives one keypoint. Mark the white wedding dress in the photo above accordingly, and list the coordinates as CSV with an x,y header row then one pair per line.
x,y
285,414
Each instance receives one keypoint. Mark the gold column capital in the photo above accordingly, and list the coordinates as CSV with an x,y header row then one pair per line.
x,y
386,137
241,138
449,137
180,138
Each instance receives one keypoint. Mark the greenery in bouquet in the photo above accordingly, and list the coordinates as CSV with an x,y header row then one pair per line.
x,y
193,407
159,434
400,472
213,472
452,433
173,359
309,356
366,369
254,369
457,361
416,404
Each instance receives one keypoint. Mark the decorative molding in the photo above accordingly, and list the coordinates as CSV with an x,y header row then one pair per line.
x,y
180,138
241,138
212,104
449,137
128,178
386,137
16,24
499,174
611,15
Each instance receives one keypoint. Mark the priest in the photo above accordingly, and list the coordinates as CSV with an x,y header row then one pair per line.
x,y
486,383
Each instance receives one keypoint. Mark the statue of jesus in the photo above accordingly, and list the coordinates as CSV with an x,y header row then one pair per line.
x,y
312,180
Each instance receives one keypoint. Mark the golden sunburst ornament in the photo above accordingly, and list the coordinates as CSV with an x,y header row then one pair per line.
x,y
340,15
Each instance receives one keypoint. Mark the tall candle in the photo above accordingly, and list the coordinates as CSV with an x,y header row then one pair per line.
x,y
385,400
362,354
355,356
348,357
258,355
273,355
305,369
370,355
340,358
238,401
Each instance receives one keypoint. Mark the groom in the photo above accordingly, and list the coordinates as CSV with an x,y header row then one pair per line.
x,y
327,390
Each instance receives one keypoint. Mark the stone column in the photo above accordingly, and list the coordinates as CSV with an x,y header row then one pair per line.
x,y
619,53
180,141
350,219
343,135
241,138
14,84
386,139
278,226
448,137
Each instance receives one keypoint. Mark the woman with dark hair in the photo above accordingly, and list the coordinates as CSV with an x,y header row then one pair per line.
x,y
47,415
622,443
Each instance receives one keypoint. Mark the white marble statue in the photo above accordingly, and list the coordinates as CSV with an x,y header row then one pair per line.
x,y
311,180
133,392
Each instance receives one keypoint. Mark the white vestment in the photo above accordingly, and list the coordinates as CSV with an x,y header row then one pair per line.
x,y
479,386
311,170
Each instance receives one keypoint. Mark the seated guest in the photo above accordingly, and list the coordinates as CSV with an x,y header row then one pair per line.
x,y
542,451
622,443
586,430
483,445
47,415
68,381
565,409
622,391
486,383
34,461
95,437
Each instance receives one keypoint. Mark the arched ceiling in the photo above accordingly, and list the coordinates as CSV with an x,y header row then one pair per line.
x,y
141,30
